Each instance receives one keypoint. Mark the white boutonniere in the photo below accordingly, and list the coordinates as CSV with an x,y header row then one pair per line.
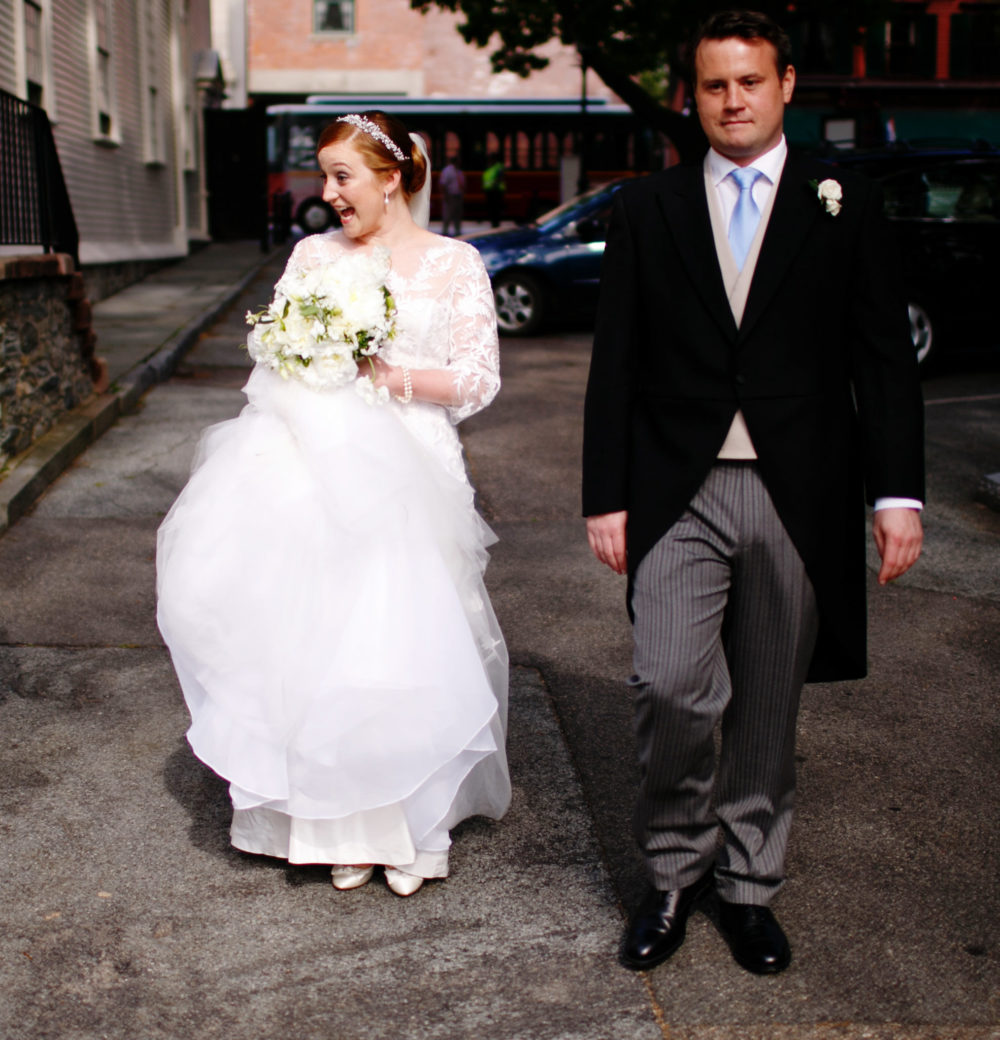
x,y
830,194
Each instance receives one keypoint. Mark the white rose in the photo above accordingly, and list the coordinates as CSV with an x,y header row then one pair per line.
x,y
371,394
329,283
255,347
830,189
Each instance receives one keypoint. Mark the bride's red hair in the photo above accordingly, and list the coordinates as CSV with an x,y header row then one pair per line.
x,y
377,157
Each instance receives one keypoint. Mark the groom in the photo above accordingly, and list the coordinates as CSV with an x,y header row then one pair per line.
x,y
752,381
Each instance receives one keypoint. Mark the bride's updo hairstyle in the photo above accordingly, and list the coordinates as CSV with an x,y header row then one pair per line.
x,y
388,149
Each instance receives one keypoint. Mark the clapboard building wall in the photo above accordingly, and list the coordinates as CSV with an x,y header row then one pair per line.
x,y
117,79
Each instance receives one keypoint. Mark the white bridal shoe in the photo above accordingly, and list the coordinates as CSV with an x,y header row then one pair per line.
x,y
401,883
346,876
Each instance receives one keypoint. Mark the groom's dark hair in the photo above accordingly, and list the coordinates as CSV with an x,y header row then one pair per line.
x,y
747,25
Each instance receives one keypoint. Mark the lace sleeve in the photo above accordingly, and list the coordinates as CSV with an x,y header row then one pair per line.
x,y
309,252
474,352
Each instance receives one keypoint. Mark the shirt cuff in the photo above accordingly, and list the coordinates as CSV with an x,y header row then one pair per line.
x,y
898,503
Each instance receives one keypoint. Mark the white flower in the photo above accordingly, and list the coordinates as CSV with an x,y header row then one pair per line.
x,y
369,393
331,368
830,194
325,319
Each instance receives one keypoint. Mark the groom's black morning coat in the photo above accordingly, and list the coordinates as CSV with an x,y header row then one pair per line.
x,y
822,366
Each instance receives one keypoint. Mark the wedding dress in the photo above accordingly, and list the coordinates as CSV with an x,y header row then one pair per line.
x,y
320,589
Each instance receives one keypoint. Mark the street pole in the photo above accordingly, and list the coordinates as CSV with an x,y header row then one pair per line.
x,y
581,185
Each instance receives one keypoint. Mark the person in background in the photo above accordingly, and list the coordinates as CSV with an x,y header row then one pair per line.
x,y
452,182
494,186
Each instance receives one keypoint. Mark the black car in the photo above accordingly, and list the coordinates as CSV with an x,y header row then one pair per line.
x,y
550,268
944,205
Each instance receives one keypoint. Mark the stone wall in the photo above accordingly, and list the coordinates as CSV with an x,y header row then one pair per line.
x,y
104,280
47,362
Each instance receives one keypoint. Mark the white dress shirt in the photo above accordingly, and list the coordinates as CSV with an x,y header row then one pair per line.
x,y
770,164
727,190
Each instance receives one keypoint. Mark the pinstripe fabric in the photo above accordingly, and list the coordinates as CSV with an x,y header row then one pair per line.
x,y
725,622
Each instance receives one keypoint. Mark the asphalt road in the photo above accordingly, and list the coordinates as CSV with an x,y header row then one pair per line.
x,y
892,901
127,915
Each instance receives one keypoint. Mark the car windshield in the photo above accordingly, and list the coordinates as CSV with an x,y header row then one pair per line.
x,y
573,209
962,191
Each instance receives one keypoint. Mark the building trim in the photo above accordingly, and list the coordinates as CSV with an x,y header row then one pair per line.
x,y
336,81
109,252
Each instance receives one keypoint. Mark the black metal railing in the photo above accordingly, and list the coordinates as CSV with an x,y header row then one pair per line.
x,y
34,204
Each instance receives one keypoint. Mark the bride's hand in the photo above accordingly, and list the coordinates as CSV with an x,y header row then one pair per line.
x,y
397,379
380,372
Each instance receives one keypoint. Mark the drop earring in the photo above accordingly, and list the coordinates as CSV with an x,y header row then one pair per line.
x,y
387,199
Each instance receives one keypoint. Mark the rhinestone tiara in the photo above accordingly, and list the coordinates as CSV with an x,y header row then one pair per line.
x,y
373,130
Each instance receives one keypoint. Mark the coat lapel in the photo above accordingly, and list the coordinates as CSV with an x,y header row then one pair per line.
x,y
792,217
685,211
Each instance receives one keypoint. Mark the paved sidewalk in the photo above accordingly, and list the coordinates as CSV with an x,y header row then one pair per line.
x,y
142,332
127,916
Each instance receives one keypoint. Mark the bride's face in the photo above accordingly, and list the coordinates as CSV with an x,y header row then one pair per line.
x,y
354,190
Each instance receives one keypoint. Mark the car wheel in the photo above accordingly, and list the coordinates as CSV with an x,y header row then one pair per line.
x,y
314,215
519,302
922,333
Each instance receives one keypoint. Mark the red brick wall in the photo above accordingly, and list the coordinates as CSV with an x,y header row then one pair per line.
x,y
391,37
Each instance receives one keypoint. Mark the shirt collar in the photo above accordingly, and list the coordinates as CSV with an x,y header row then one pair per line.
x,y
770,163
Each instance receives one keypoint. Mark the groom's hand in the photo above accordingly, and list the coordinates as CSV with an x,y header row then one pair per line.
x,y
606,534
898,538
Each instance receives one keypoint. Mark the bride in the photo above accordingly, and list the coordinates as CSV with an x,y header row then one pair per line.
x,y
319,579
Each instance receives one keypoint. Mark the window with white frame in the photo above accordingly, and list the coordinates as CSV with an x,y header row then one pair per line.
x,y
105,127
187,117
34,52
189,141
333,16
154,125
153,99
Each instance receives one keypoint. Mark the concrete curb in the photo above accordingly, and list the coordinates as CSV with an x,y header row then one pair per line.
x,y
33,471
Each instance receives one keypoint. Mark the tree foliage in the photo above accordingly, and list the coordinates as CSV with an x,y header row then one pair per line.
x,y
627,43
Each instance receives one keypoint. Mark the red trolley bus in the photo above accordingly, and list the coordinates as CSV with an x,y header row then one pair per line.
x,y
542,142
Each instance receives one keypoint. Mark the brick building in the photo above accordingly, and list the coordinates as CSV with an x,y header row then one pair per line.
x,y
284,50
930,72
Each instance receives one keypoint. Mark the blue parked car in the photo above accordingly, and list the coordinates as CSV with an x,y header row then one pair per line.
x,y
550,268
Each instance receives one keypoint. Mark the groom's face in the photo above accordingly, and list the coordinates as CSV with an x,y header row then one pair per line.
x,y
741,98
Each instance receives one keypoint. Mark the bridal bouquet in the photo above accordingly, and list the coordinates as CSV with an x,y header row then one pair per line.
x,y
323,320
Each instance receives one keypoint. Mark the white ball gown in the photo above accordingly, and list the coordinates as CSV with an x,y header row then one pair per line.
x,y
320,588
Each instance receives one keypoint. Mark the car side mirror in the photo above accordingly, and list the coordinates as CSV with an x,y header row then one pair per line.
x,y
590,230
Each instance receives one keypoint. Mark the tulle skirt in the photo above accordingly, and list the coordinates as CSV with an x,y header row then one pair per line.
x,y
320,589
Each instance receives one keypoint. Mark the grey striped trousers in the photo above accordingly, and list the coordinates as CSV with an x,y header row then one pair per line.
x,y
725,624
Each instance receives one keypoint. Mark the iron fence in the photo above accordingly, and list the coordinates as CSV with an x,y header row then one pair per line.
x,y
35,208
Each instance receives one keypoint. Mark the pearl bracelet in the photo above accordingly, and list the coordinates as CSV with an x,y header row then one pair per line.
x,y
407,395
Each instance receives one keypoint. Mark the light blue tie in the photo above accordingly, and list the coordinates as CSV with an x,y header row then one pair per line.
x,y
746,215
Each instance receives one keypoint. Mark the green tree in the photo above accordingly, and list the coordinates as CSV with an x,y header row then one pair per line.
x,y
629,44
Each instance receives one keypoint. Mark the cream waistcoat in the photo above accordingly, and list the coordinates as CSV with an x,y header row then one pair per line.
x,y
737,444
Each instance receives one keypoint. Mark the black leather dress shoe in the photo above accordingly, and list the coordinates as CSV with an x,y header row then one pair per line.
x,y
660,924
755,938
